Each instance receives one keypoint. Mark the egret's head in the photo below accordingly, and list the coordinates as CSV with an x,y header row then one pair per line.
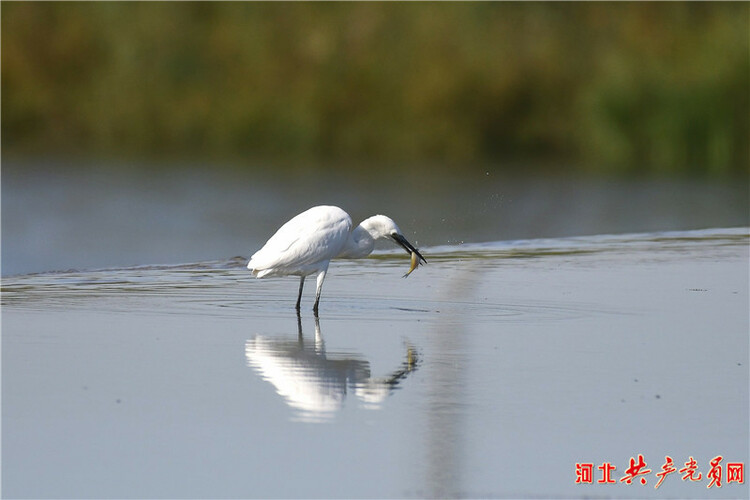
x,y
380,226
383,227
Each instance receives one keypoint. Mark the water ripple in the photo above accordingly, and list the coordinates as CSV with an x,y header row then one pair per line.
x,y
224,287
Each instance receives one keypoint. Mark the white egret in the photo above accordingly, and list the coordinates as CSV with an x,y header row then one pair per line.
x,y
306,244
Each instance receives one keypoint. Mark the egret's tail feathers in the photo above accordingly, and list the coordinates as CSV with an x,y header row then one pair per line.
x,y
253,267
258,273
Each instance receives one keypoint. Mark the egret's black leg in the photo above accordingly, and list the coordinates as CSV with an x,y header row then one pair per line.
x,y
317,301
300,338
299,297
321,277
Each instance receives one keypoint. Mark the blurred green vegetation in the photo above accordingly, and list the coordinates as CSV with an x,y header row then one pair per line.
x,y
612,87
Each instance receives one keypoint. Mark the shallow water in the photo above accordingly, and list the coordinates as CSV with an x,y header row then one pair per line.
x,y
489,372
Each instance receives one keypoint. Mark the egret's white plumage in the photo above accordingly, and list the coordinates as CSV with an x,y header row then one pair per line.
x,y
306,244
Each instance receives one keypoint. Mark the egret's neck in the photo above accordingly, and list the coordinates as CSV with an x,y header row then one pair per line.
x,y
359,244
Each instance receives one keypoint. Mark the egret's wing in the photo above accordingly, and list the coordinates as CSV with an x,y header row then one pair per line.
x,y
313,236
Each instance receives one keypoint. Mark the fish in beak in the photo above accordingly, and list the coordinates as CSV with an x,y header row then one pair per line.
x,y
416,257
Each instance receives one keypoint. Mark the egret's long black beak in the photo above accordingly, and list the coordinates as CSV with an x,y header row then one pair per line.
x,y
403,243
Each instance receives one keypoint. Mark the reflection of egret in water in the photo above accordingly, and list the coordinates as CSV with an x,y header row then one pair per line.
x,y
315,382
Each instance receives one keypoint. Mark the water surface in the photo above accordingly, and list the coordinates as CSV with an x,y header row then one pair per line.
x,y
60,217
489,372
